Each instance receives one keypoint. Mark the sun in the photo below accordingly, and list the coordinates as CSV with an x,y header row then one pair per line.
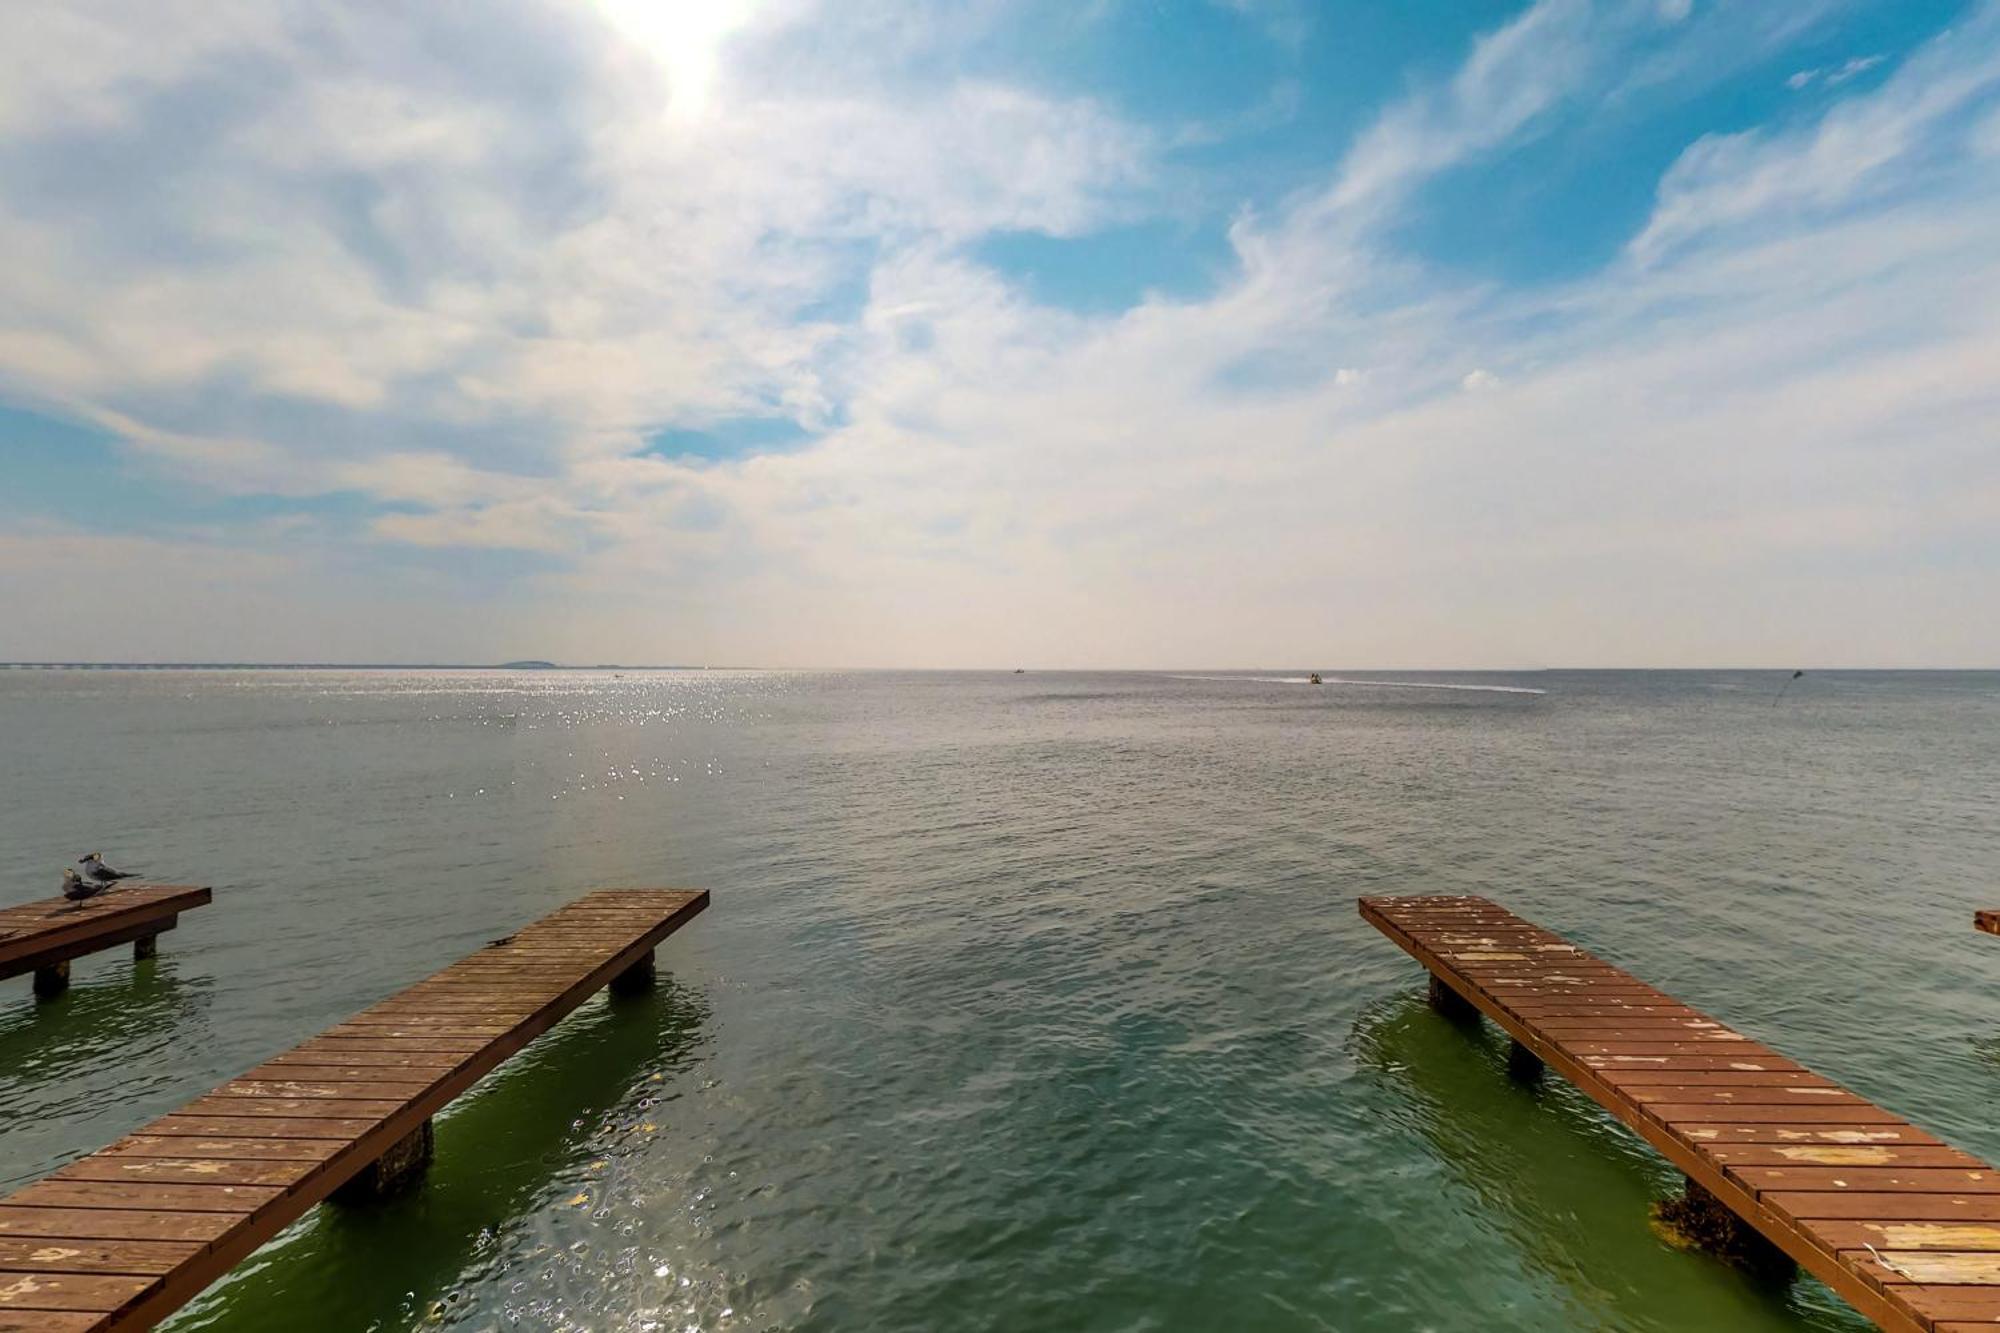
x,y
685,37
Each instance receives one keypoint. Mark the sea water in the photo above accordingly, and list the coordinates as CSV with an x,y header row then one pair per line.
x,y
1026,1001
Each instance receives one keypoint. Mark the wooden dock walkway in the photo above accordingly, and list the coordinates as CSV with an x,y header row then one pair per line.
x,y
1905,1228
43,937
124,1237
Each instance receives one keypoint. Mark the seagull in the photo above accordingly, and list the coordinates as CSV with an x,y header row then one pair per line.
x,y
100,873
76,888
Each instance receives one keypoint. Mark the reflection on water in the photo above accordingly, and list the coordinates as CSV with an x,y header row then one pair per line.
x,y
533,1172
1566,1183
66,1062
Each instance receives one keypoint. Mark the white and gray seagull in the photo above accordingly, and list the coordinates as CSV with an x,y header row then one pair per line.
x,y
76,888
97,872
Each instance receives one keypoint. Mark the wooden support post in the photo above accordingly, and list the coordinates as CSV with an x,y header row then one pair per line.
x,y
1700,1221
636,979
1523,1063
394,1171
146,946
51,980
1450,1003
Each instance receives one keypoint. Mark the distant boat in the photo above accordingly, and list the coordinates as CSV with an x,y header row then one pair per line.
x,y
1315,679
1019,671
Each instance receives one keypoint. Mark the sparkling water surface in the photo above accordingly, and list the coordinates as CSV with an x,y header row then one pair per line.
x,y
1024,1001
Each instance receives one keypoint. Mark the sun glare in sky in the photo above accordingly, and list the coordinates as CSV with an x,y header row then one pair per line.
x,y
1195,332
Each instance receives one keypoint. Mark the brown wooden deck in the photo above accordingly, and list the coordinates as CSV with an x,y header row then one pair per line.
x,y
1904,1227
1987,919
42,937
126,1236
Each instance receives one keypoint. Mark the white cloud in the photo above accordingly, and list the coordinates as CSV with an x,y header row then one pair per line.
x,y
391,282
1858,65
372,236
1834,77
1863,148
1513,75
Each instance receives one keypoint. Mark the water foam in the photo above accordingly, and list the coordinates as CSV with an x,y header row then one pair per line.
x,y
1381,684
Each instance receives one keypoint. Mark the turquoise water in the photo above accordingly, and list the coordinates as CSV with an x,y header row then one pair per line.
x,y
1024,1001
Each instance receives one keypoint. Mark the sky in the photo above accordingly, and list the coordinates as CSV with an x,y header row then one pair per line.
x,y
1089,333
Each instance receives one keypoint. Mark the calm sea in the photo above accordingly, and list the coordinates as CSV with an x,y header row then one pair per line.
x,y
1025,1001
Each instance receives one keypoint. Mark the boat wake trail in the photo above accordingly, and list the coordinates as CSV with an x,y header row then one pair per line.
x,y
1378,684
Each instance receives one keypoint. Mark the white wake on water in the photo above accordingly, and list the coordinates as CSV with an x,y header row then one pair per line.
x,y
1383,684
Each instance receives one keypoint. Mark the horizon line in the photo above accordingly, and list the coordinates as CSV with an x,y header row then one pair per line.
x,y
528,665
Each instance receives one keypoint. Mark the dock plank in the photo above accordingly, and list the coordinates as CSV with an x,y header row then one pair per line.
x,y
122,1238
135,1258
49,931
1903,1226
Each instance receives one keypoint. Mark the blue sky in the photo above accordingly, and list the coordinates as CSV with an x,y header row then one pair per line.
x,y
1118,333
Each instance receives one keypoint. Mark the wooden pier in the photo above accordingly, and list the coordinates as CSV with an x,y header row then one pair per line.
x,y
1905,1228
1987,919
124,1237
43,937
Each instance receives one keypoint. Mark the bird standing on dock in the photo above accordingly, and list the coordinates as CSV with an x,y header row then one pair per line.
x,y
99,873
76,888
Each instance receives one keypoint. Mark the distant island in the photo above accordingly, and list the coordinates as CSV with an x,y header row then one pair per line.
x,y
527,666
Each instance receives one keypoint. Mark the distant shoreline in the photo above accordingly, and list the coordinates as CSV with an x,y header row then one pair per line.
x,y
342,666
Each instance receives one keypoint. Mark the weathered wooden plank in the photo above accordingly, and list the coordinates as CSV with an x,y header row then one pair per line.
x,y
1897,1236
1664,1060
188,1170
1743,1050
1800,1154
1937,1301
1872,1179
1856,1206
167,1198
1939,1268
93,1292
374,1089
130,1257
248,1150
47,1321
351,1044
122,1238
53,930
252,1127
1633,1077
310,1108
318,1055
471,1033
403,1076
1864,1113
1851,1135
1904,1227
111,1224
1582,1007
1739,1094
